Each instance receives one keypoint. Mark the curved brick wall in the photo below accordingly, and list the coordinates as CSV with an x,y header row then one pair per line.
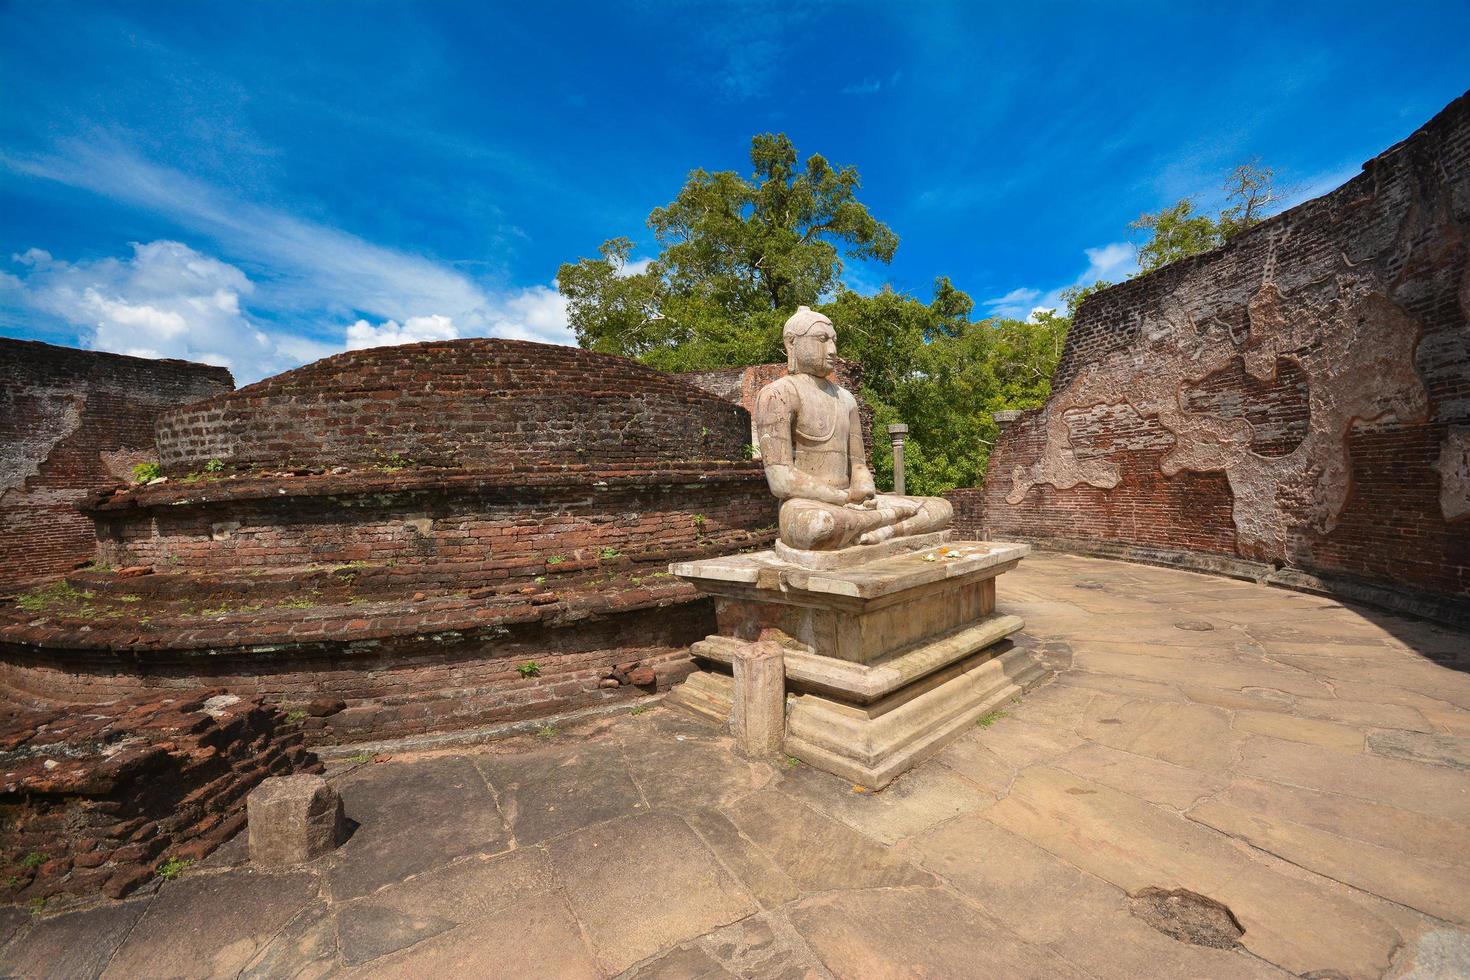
x,y
1294,405
398,533
441,528
462,403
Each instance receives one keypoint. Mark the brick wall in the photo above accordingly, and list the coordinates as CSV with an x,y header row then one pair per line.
x,y
440,528
70,421
461,403
739,386
1297,400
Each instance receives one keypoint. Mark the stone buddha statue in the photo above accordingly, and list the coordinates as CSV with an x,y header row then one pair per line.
x,y
812,445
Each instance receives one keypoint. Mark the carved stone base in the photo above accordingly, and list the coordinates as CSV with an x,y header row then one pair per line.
x,y
885,662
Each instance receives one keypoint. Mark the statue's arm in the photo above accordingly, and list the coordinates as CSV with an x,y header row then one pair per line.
x,y
861,486
775,413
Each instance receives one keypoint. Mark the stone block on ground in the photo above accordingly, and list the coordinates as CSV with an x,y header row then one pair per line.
x,y
294,819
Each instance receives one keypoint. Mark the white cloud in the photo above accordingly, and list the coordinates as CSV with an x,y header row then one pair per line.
x,y
1113,262
387,334
634,268
166,300
317,273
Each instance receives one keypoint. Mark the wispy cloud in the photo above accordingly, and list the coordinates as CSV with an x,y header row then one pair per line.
x,y
871,86
1112,262
165,300
311,272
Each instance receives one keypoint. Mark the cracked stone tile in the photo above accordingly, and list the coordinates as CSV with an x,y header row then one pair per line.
x,y
1193,735
1136,845
611,871
413,816
78,944
367,932
815,851
770,884
1433,886
696,772
1018,742
1363,714
536,939
305,948
1154,780
1433,790
911,804
1044,900
1312,731
211,925
543,794
916,932
1172,672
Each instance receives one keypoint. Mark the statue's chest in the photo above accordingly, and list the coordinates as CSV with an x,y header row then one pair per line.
x,y
821,421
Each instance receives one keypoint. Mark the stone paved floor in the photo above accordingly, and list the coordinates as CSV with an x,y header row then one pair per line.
x,y
1303,763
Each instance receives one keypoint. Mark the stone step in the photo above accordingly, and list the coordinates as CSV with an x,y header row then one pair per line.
x,y
866,683
705,694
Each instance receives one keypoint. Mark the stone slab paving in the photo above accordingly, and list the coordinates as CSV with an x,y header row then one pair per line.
x,y
1303,763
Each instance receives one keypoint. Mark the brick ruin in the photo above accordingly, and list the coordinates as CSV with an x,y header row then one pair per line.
x,y
460,534
1294,406
440,536
95,797
71,421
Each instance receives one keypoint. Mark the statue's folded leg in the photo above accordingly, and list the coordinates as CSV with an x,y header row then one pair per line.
x,y
816,526
934,514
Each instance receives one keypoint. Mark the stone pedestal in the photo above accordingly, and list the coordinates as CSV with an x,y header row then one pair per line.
x,y
885,660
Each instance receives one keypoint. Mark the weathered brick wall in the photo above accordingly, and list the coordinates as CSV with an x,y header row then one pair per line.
x,y
520,505
440,528
96,799
70,421
461,403
375,671
739,386
1298,399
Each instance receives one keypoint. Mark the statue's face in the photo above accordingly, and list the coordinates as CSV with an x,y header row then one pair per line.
x,y
815,353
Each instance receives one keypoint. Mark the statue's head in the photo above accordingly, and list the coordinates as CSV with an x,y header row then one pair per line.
x,y
811,343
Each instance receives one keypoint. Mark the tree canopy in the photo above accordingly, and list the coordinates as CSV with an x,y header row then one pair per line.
x,y
1179,231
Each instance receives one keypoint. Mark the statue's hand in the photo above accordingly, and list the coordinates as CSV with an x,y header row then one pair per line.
x,y
859,494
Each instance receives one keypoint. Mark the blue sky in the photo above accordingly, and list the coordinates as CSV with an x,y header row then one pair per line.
x,y
262,183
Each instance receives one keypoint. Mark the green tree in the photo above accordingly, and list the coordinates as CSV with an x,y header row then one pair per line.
x,y
1179,231
737,255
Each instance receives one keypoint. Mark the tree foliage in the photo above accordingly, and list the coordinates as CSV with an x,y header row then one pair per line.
x,y
1179,231
738,254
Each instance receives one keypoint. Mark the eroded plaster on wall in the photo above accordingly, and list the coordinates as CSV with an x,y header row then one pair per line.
x,y
50,417
1355,348
1454,473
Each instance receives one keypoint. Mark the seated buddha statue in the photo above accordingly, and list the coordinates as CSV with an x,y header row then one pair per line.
x,y
811,443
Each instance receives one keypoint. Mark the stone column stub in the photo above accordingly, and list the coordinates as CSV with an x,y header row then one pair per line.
x,y
898,432
758,720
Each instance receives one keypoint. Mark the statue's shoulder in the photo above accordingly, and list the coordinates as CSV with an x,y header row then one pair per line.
x,y
779,394
846,398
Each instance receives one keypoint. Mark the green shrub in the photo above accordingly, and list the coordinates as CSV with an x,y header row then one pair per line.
x,y
144,472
